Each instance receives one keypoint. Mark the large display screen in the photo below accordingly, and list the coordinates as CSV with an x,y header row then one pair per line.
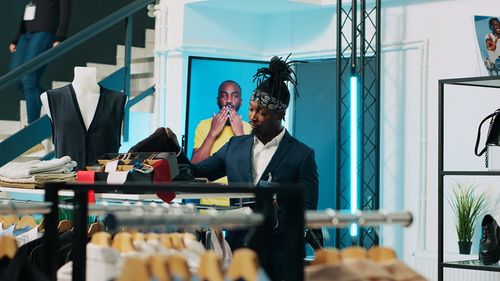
x,y
204,77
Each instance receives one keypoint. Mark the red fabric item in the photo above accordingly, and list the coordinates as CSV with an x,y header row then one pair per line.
x,y
161,174
87,177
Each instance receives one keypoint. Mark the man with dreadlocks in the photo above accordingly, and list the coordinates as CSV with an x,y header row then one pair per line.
x,y
269,155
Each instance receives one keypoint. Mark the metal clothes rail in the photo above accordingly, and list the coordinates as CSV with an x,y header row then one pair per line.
x,y
118,220
333,218
24,207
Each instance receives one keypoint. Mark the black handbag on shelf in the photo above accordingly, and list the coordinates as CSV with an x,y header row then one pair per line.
x,y
493,137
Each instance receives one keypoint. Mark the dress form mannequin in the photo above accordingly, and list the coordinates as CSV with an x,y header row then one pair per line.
x,y
86,118
86,91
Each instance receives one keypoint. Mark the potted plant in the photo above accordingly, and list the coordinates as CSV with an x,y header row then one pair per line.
x,y
467,207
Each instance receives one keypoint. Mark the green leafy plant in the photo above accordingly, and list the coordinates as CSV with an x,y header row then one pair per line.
x,y
468,208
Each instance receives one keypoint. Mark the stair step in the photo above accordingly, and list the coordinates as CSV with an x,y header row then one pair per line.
x,y
150,36
146,105
103,70
142,75
138,83
139,65
59,84
137,52
8,128
142,60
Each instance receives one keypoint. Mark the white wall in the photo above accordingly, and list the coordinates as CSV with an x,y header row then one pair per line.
x,y
219,28
448,25
306,34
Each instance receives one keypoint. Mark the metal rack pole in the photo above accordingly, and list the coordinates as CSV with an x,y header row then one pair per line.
x,y
50,237
79,246
294,236
440,257
263,242
362,218
118,220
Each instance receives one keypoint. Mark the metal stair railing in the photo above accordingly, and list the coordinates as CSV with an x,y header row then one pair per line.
x,y
39,130
24,139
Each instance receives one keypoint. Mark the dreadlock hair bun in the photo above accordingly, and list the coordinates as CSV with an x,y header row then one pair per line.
x,y
272,79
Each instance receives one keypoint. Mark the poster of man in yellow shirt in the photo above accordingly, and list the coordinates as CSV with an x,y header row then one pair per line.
x,y
212,133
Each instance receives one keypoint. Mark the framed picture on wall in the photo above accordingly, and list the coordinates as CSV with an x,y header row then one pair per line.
x,y
205,78
487,33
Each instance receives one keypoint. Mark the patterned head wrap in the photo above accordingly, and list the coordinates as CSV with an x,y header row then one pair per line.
x,y
266,100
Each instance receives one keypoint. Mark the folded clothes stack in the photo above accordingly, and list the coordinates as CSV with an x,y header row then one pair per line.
x,y
34,174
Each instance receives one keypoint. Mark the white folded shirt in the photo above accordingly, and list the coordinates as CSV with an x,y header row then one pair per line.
x,y
20,170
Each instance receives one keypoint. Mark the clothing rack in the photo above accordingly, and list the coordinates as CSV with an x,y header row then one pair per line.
x,y
104,208
16,207
262,237
334,218
119,220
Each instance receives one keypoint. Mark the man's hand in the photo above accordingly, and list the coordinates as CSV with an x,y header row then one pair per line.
x,y
12,48
56,43
218,122
491,44
236,122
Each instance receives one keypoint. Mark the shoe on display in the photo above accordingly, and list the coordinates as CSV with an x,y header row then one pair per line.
x,y
489,246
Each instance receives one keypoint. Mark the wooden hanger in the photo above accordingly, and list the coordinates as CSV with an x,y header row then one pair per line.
x,y
93,229
64,225
178,267
330,256
245,265
134,269
158,268
8,247
25,221
177,241
152,236
381,254
188,236
210,269
122,242
9,221
138,236
101,238
353,253
166,241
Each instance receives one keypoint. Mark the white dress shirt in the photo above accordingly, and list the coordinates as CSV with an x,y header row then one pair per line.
x,y
262,154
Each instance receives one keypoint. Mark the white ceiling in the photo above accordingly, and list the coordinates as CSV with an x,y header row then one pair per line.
x,y
266,7
262,7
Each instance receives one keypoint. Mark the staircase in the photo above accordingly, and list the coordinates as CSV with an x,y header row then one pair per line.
x,y
142,71
142,77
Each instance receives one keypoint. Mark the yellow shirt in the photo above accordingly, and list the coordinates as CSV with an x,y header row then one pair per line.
x,y
199,136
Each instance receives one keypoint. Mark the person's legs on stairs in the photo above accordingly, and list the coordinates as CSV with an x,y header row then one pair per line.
x,y
39,43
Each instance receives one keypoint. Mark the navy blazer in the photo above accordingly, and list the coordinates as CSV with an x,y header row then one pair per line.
x,y
293,162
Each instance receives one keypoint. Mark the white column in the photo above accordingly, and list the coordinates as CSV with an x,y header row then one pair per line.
x,y
170,66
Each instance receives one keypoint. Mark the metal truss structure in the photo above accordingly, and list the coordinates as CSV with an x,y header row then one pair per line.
x,y
358,55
